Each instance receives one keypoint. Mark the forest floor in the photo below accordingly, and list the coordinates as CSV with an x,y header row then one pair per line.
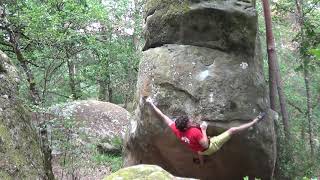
x,y
88,172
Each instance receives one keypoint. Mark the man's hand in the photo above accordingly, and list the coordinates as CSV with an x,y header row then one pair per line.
x,y
165,118
261,116
204,126
149,100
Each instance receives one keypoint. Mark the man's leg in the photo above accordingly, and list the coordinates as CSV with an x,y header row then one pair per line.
x,y
217,142
201,158
235,130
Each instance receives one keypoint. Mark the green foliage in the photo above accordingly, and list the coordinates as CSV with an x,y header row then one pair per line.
x,y
75,47
316,53
294,158
297,49
117,142
114,161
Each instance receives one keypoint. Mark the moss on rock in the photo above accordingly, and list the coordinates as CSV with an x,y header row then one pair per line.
x,y
169,7
21,156
147,172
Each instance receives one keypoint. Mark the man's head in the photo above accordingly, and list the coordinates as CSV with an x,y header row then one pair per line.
x,y
182,123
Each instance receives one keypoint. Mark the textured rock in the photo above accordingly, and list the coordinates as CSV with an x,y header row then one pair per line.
x,y
203,58
194,80
221,86
20,151
146,172
226,25
96,119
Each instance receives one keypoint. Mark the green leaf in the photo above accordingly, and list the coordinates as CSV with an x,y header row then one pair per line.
x,y
315,52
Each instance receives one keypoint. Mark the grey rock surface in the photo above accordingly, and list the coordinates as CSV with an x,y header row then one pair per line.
x,y
94,118
21,156
228,25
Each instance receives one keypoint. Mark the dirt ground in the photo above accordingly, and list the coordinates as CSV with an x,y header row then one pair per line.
x,y
90,172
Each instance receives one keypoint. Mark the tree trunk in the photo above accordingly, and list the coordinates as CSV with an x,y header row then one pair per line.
x,y
72,83
271,55
306,75
283,105
309,109
102,91
33,91
274,74
110,93
105,91
45,86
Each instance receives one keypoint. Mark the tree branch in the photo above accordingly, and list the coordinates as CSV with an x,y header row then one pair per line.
x,y
72,53
56,68
295,106
26,47
36,65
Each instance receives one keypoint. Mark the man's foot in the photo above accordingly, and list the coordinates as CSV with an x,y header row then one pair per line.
x,y
196,160
261,116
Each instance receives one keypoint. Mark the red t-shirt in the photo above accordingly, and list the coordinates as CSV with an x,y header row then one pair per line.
x,y
190,137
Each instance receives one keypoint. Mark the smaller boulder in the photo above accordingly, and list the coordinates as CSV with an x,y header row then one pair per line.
x,y
143,171
95,119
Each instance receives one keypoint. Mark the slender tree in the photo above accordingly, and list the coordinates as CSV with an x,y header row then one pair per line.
x,y
274,74
306,72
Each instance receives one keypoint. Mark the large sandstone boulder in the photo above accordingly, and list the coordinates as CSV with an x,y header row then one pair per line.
x,y
218,76
143,171
21,156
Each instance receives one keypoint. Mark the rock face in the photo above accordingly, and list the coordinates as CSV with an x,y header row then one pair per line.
x,y
20,151
143,171
203,58
227,25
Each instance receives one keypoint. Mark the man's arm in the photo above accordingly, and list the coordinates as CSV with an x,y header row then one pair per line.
x,y
204,142
165,118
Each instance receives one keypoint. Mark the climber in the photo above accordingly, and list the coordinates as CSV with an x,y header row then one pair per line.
x,y
196,138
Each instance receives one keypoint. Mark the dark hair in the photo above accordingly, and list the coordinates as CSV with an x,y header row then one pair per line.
x,y
182,122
